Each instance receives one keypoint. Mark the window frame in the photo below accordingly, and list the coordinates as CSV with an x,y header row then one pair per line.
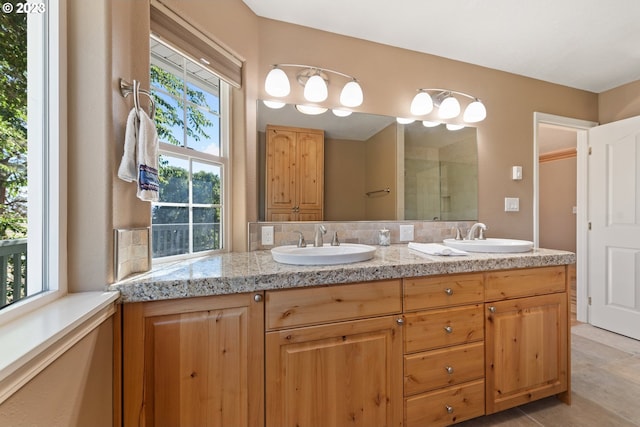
x,y
223,160
46,118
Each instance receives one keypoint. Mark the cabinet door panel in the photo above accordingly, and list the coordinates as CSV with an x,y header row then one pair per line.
x,y
194,362
526,350
281,169
310,171
343,374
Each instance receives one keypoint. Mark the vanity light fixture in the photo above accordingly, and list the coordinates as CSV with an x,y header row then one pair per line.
x,y
315,81
341,113
451,126
404,121
448,104
274,104
311,109
429,124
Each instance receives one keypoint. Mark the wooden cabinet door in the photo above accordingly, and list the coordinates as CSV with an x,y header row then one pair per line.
x,y
342,374
281,170
310,188
527,351
194,362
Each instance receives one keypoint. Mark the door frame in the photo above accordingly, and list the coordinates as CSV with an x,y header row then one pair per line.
x,y
582,160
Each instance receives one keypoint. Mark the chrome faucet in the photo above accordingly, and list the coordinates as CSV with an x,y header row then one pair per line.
x,y
472,231
301,242
320,230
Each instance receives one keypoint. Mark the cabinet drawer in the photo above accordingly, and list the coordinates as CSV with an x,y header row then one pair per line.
x,y
444,407
432,292
306,306
426,330
442,368
507,284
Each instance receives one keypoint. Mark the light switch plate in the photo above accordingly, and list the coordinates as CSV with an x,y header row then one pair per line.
x,y
511,204
406,233
267,235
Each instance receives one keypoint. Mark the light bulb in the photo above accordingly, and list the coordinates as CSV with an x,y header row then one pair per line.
x,y
429,124
451,126
404,121
315,90
277,84
475,112
273,104
310,109
422,104
341,113
351,95
449,108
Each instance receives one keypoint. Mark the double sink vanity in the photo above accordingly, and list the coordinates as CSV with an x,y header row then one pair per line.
x,y
400,339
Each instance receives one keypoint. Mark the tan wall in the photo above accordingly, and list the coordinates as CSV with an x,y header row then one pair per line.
x,y
557,200
619,103
344,180
381,173
75,390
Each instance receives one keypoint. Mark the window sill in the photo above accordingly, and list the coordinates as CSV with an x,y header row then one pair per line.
x,y
33,341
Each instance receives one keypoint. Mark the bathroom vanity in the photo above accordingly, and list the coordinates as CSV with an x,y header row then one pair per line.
x,y
401,340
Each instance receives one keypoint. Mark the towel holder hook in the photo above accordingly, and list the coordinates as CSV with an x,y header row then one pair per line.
x,y
127,89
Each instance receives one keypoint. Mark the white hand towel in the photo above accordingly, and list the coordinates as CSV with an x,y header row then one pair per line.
x,y
128,165
148,181
435,249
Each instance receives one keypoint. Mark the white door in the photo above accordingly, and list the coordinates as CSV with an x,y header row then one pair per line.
x,y
614,239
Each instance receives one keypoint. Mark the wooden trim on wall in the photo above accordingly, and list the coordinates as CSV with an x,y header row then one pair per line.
x,y
558,155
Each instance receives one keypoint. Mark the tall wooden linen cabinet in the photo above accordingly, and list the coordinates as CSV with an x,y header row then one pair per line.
x,y
294,174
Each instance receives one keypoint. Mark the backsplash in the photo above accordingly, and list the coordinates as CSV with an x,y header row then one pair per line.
x,y
131,251
365,232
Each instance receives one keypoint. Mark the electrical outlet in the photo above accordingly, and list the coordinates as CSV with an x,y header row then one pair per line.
x,y
267,235
406,233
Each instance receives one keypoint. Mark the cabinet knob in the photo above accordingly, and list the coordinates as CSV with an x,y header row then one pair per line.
x,y
492,309
400,321
257,297
449,409
448,329
448,291
449,370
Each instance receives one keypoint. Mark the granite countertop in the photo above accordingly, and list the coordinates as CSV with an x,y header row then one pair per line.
x,y
240,272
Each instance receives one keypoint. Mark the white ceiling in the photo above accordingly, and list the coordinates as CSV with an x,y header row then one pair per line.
x,y
586,44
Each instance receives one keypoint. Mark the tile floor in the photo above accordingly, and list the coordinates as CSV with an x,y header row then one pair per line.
x,y
605,387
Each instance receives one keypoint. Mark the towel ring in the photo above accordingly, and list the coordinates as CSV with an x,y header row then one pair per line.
x,y
127,89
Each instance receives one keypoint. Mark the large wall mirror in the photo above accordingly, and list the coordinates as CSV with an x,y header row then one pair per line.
x,y
377,169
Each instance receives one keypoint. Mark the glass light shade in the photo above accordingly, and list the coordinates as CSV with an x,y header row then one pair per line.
x,y
451,126
315,90
341,113
277,84
351,95
422,104
404,121
429,124
475,112
310,109
274,104
449,108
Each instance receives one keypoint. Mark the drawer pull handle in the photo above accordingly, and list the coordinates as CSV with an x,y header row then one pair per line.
x,y
448,329
448,291
492,309
449,370
449,409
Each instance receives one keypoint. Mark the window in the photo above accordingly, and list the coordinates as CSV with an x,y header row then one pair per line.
x,y
30,129
191,118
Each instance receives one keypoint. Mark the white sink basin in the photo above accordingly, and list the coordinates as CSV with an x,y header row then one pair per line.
x,y
326,255
491,245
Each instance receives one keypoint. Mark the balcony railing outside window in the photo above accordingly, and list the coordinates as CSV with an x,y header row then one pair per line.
x,y
13,270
